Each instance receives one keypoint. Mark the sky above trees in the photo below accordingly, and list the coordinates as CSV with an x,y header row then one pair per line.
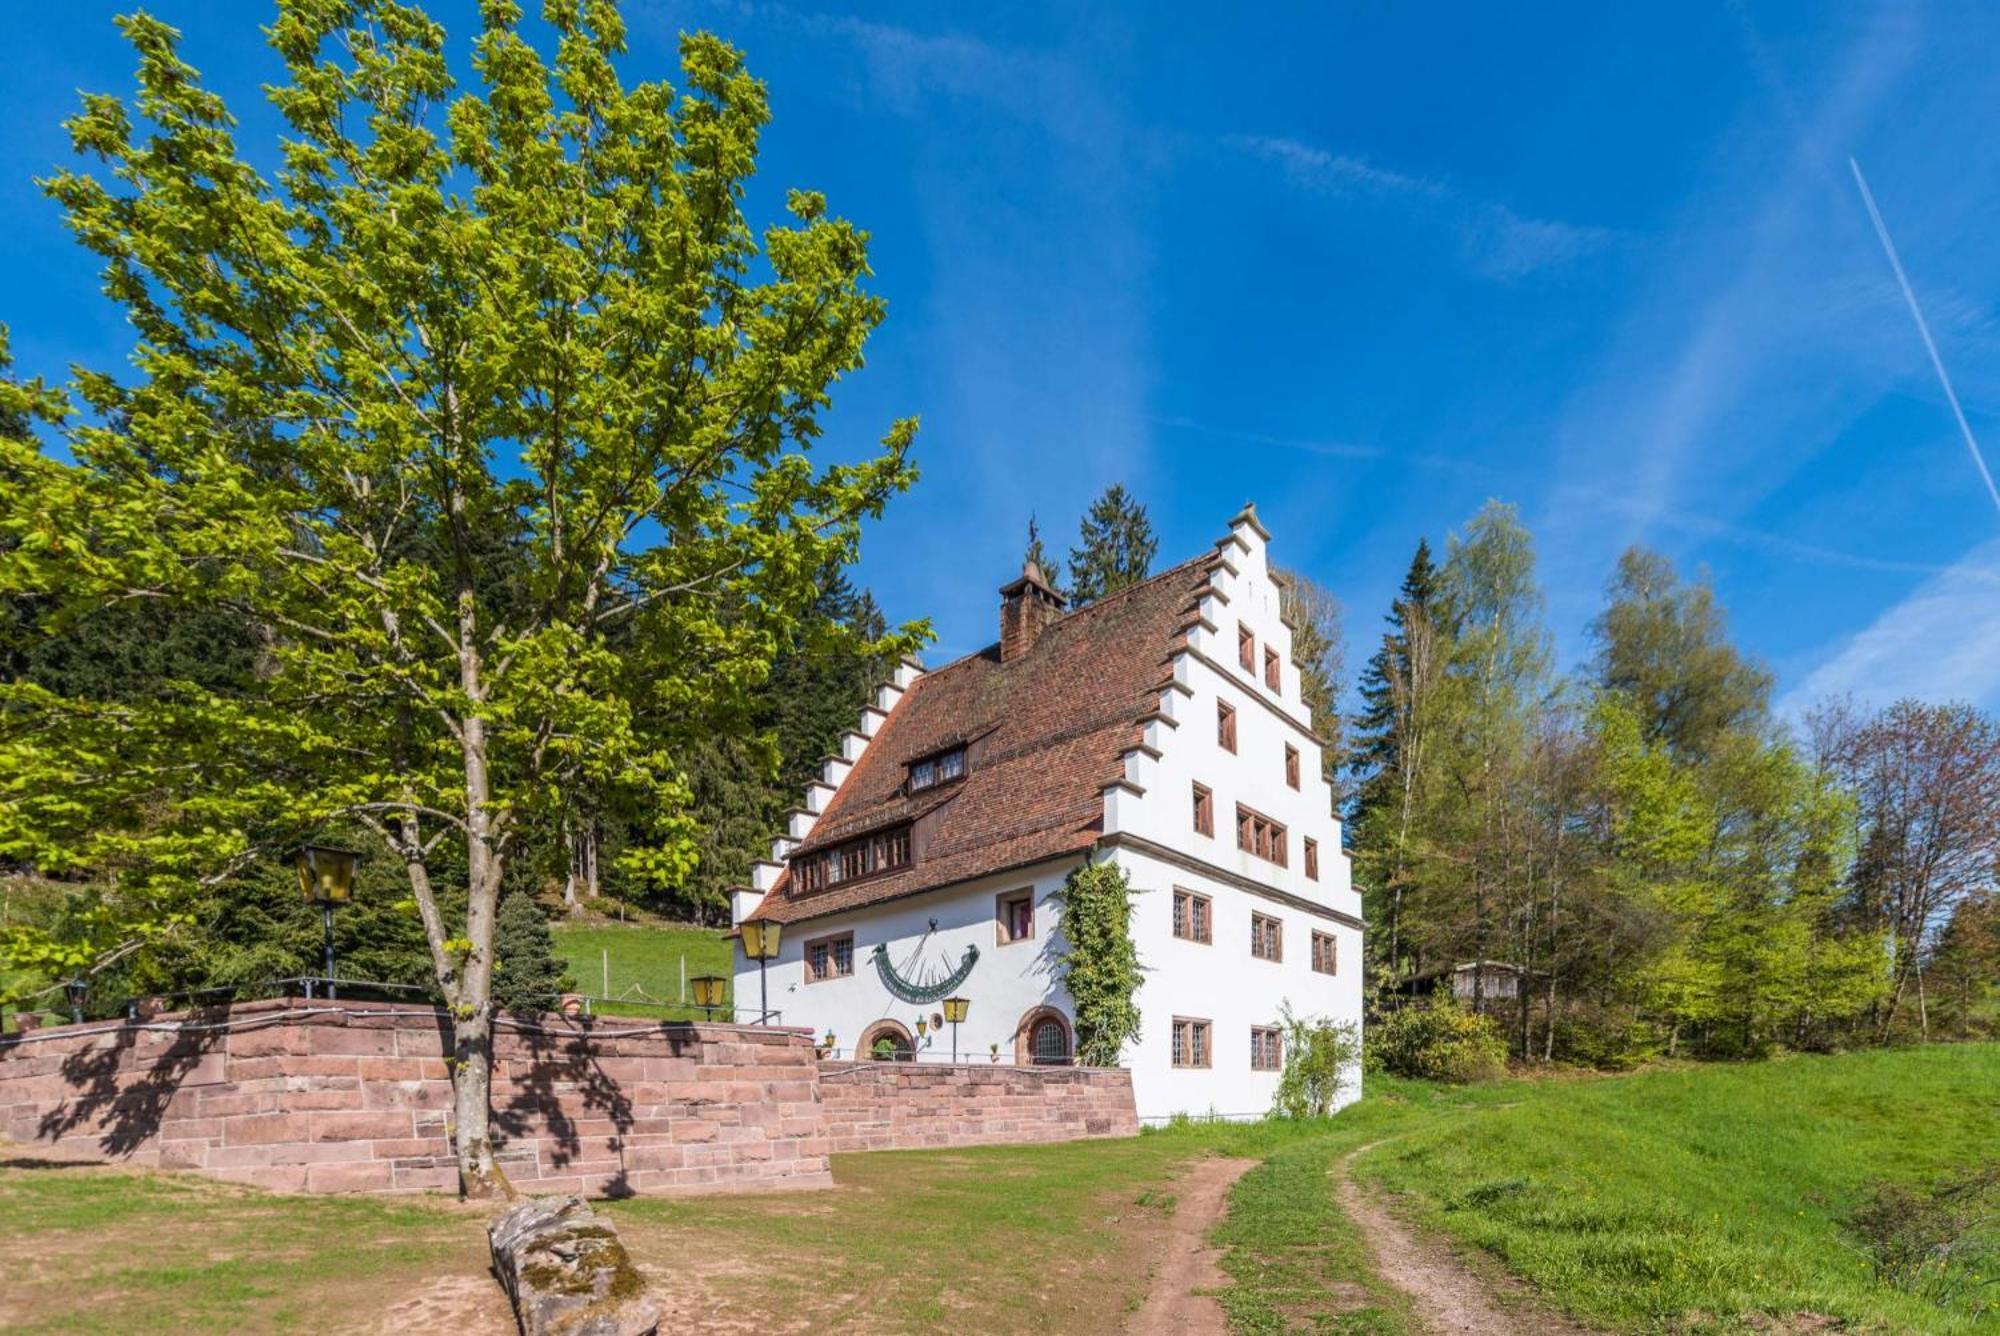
x,y
1365,268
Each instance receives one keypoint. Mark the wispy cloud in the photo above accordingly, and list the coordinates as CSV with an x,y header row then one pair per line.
x,y
1494,240
1940,643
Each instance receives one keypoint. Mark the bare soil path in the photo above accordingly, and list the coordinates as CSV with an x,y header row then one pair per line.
x,y
1448,1295
1181,1299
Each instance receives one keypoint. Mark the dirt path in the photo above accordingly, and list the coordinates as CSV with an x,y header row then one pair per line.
x,y
1449,1296
1187,1264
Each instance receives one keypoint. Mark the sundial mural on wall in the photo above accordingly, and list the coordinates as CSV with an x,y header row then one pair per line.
x,y
915,981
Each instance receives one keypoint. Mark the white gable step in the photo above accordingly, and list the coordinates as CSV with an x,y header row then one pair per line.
x,y
743,901
818,794
799,822
907,673
852,744
871,720
764,874
834,770
781,848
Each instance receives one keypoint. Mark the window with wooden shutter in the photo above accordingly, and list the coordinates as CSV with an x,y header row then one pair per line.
x,y
1204,811
1191,1047
1246,648
1225,725
1258,834
1291,765
1324,957
1312,859
1273,673
1191,917
1267,1049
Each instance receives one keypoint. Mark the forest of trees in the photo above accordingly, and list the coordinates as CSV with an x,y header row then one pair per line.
x,y
1661,864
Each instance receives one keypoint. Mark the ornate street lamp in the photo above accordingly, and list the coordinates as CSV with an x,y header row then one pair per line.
x,y
708,992
760,943
954,1011
326,878
76,990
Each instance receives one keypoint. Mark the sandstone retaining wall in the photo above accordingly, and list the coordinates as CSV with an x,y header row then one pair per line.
x,y
910,1106
318,1096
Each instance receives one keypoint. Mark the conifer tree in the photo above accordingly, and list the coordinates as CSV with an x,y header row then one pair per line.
x,y
527,974
1115,548
1050,568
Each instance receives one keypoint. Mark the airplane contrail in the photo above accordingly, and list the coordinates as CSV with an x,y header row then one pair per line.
x,y
1923,328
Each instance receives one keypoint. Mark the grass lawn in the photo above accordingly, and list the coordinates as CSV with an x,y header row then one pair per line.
x,y
1697,1198
1703,1195
645,962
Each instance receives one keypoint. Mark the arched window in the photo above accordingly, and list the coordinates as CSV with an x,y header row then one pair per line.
x,y
1042,1039
886,1041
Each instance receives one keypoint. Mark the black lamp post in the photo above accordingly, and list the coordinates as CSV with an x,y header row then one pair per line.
x,y
954,1011
760,943
76,990
326,878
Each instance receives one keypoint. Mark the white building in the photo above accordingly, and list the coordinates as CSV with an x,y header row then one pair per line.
x,y
1160,728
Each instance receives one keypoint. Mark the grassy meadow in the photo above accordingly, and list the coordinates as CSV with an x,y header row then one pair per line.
x,y
1697,1198
645,961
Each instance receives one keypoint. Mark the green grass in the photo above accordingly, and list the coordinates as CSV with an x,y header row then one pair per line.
x,y
121,1252
1699,1197
645,962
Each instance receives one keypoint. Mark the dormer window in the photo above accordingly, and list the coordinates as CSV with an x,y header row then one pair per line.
x,y
851,860
937,768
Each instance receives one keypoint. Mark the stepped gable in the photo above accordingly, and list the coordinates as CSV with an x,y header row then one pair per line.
x,y
1050,723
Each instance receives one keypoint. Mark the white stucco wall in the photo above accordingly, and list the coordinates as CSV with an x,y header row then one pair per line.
x,y
1009,981
1149,829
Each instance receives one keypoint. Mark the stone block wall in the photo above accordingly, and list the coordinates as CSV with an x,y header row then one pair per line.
x,y
911,1106
356,1097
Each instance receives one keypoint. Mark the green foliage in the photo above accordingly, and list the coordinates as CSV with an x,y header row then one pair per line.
x,y
1115,548
1319,650
488,418
1940,1242
1322,1058
1437,1040
1100,964
528,976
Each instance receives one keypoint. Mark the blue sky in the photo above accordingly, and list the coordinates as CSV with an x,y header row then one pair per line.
x,y
1367,265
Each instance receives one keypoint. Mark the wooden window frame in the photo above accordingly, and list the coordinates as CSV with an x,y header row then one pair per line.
x,y
1225,726
1274,670
1261,926
831,941
1003,923
1291,766
1325,953
1246,648
1262,837
1204,810
1181,1051
889,849
937,762
1312,859
1206,936
1267,1048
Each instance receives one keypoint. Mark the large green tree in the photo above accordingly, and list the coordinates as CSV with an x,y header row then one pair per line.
x,y
1664,645
1115,547
488,414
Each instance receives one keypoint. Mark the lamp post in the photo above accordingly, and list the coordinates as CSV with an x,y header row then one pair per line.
x,y
76,990
326,878
954,1011
708,992
760,943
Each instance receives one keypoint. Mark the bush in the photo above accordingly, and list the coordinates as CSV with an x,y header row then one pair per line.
x,y
1937,1242
1610,1039
1320,1057
527,975
1437,1041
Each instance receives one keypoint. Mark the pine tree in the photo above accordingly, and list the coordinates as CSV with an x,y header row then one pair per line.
x,y
1388,749
527,974
1051,570
1116,548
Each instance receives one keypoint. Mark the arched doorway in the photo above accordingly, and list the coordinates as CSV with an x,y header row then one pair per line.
x,y
1042,1039
901,1048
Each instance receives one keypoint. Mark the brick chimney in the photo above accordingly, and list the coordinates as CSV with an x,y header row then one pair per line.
x,y
1027,606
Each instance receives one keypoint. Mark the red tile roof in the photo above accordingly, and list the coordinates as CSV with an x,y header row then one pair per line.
x,y
1053,725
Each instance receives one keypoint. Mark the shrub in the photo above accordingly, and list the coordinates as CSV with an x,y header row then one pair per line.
x,y
1320,1055
1610,1039
1936,1242
1438,1041
1100,965
527,974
